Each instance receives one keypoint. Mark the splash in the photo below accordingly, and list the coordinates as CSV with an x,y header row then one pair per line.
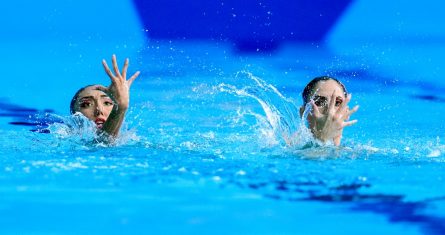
x,y
77,126
281,122
80,131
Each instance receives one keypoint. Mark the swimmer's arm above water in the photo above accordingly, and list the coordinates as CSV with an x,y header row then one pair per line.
x,y
329,127
119,90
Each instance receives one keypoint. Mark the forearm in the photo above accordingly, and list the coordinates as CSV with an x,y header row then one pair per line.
x,y
114,122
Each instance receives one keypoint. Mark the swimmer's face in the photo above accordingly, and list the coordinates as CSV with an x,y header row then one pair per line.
x,y
322,94
94,104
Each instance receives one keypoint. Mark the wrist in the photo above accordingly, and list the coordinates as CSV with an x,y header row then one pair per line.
x,y
122,107
122,104
323,135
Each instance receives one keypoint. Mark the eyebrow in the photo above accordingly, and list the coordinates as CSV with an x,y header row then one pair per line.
x,y
92,97
320,96
86,97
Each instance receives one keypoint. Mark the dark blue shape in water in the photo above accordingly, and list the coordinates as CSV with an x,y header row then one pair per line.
x,y
31,117
392,206
251,24
429,97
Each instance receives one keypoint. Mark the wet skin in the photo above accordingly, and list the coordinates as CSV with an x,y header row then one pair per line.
x,y
330,111
106,106
94,104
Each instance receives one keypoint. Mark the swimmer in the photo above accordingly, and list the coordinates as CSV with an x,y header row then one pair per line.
x,y
106,106
329,113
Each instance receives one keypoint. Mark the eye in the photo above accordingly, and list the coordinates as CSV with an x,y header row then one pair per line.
x,y
320,101
108,103
338,102
85,104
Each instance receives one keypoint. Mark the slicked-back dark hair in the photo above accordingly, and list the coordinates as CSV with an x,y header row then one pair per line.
x,y
309,89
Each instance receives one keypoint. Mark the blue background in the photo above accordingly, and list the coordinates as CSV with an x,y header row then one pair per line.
x,y
45,43
197,159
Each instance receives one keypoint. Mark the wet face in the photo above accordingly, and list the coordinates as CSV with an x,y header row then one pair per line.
x,y
322,94
94,104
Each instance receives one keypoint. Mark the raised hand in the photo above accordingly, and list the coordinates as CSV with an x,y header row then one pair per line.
x,y
119,88
328,125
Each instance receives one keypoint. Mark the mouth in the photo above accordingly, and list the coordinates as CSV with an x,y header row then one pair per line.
x,y
99,123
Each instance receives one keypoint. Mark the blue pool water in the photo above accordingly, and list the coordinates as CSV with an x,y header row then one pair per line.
x,y
202,151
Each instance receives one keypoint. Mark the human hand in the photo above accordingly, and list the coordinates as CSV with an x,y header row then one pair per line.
x,y
328,126
119,88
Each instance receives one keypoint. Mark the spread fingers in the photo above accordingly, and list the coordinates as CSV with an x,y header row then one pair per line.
x,y
115,67
135,75
108,71
349,123
124,70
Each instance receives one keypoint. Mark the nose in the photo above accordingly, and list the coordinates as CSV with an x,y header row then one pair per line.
x,y
99,110
324,109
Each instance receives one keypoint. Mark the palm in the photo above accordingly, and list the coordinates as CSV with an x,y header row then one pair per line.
x,y
120,86
329,126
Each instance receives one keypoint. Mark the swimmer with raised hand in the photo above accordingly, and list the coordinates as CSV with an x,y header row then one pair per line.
x,y
329,115
106,106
